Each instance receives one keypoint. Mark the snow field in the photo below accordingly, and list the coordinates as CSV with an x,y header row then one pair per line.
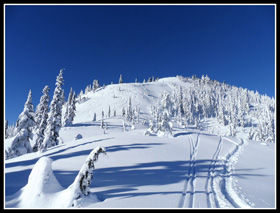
x,y
138,171
193,169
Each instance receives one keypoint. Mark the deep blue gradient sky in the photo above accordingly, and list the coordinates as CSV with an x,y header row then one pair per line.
x,y
231,43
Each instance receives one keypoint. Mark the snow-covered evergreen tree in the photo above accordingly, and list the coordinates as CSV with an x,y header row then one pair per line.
x,y
63,98
41,132
43,106
11,131
82,182
94,117
164,127
21,143
102,123
87,89
70,109
109,112
120,80
166,104
129,112
151,128
54,119
95,85
42,116
67,107
123,112
6,129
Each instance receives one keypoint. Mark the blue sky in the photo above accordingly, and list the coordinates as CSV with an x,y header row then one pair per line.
x,y
232,43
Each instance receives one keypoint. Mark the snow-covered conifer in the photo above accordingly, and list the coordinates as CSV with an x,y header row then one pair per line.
x,y
43,115
129,113
70,109
166,104
41,132
138,115
151,128
87,89
102,123
67,107
82,182
63,98
6,129
120,80
164,128
21,143
133,125
54,119
43,106
123,112
232,129
11,131
94,117
109,112
95,85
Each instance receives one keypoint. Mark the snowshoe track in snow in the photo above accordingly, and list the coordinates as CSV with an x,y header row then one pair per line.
x,y
210,192
225,182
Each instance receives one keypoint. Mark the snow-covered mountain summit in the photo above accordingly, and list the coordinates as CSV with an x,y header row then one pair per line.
x,y
189,101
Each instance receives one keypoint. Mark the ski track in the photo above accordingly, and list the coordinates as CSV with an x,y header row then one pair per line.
x,y
219,188
187,197
209,188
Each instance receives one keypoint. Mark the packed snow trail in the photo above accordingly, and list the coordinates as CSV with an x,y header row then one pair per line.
x,y
226,181
217,179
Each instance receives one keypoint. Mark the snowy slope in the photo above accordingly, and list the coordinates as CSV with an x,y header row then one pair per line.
x,y
116,96
194,169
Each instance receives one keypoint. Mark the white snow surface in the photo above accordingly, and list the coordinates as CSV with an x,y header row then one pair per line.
x,y
192,169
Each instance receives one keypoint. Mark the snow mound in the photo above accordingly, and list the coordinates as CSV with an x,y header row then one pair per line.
x,y
41,186
42,179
